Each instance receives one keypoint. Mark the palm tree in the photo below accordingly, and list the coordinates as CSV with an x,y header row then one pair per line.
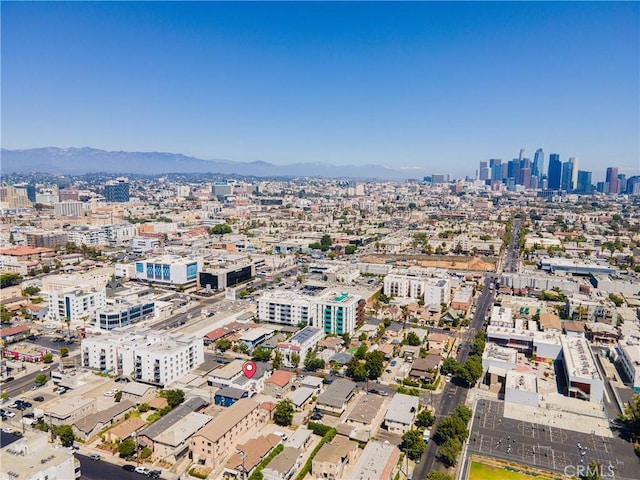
x,y
67,320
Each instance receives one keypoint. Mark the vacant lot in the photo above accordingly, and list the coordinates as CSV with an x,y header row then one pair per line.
x,y
481,471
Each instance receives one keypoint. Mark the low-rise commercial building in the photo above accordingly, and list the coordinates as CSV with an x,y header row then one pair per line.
x,y
401,413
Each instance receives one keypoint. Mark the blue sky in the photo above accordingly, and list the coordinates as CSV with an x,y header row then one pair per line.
x,y
438,86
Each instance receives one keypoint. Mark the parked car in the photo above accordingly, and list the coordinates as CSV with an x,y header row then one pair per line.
x,y
45,368
142,470
9,414
95,457
128,467
39,398
154,474
7,430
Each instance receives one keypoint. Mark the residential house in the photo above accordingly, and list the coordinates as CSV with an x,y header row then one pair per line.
x,y
335,398
171,444
425,369
331,460
284,465
279,384
124,430
86,428
377,462
227,396
401,413
240,465
138,393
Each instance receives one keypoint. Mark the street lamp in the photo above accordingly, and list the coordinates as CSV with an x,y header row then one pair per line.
x,y
243,455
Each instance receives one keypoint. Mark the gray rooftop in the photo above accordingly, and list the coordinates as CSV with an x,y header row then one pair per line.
x,y
402,409
338,393
164,423
230,392
88,423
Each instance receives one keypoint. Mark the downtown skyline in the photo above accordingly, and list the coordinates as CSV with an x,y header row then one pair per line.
x,y
418,85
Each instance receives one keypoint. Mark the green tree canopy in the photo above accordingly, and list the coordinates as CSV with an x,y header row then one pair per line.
x,y
174,397
361,352
449,366
64,352
261,354
283,413
412,339
47,358
425,418
223,344
450,450
65,433
40,379
413,444
220,229
312,362
374,364
127,447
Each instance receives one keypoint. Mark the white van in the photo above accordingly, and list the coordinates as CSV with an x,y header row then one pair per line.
x,y
426,435
281,435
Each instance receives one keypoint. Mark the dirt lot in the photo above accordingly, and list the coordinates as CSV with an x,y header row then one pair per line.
x,y
479,264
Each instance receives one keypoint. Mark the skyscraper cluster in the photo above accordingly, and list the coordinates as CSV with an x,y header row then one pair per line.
x,y
521,173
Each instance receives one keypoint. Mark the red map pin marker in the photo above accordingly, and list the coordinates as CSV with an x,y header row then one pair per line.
x,y
249,369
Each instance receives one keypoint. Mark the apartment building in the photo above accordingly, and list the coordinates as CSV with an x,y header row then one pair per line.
x,y
629,360
338,313
284,307
169,270
147,356
76,303
212,443
404,286
437,291
581,375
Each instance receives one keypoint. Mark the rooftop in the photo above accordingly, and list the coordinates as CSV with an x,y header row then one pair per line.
x,y
224,422
578,358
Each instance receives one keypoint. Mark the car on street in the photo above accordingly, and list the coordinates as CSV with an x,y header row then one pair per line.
x,y
9,414
45,368
128,467
142,470
7,430
95,457
154,474
39,398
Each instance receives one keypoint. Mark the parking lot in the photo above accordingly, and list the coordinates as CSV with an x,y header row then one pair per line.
x,y
546,447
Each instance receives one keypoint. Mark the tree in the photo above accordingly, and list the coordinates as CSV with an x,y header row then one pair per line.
x,y
451,427
450,450
413,444
223,344
312,362
374,364
412,339
350,249
174,397
126,448
295,359
8,279
261,354
425,418
220,229
143,407
356,370
118,396
277,360
65,433
449,366
47,358
283,413
363,336
5,315
64,352
361,352
30,291
40,379
471,370
325,240
347,339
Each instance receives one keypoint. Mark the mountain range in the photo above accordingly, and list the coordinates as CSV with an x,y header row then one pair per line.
x,y
77,161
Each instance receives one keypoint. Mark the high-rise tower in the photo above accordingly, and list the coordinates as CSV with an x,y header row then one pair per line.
x,y
555,172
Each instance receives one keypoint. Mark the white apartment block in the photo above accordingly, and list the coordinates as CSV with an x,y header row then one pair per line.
x,y
69,209
404,286
76,303
91,236
288,308
338,313
144,355
629,360
437,291
143,244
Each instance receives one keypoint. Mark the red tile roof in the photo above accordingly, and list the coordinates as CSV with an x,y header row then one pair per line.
x,y
281,377
7,332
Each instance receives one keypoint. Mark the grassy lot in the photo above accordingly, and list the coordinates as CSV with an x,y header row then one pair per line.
x,y
481,471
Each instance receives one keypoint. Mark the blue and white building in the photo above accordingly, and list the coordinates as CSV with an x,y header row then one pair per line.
x,y
169,270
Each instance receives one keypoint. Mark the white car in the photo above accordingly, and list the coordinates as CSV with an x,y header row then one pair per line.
x,y
45,368
142,470
7,430
108,394
10,414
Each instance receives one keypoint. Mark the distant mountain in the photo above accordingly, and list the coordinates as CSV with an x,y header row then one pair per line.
x,y
76,161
